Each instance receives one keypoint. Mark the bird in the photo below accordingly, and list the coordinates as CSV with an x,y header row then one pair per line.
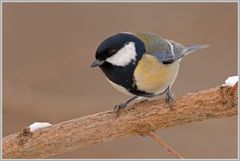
x,y
141,64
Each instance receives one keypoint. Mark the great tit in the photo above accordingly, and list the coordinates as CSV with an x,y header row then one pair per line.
x,y
141,64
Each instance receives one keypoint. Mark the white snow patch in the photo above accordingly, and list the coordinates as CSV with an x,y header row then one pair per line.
x,y
38,125
231,81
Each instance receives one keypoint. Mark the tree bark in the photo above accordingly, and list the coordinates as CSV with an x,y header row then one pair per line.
x,y
139,119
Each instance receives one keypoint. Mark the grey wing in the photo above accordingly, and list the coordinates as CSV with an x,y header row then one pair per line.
x,y
178,49
170,52
166,51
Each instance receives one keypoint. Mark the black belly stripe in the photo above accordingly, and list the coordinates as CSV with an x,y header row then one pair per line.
x,y
123,76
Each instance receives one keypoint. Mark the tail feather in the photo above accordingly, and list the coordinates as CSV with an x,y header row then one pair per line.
x,y
192,48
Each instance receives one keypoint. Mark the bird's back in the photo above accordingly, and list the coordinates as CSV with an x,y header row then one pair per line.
x,y
158,46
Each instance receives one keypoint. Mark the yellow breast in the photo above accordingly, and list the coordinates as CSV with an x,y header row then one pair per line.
x,y
154,77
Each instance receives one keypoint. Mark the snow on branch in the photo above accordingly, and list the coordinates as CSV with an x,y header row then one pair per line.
x,y
38,125
231,81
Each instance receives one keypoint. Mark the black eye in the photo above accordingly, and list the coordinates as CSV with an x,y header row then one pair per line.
x,y
113,51
127,43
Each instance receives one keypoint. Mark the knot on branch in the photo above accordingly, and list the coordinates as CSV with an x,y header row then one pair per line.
x,y
227,94
144,129
24,135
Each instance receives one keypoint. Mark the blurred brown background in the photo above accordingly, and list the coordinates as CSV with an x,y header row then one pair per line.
x,y
47,49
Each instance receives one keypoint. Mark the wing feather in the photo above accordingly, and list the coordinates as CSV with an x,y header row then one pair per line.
x,y
166,51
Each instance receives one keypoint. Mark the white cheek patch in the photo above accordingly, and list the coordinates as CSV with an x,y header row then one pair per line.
x,y
124,56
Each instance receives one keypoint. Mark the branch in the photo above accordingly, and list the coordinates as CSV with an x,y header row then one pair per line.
x,y
166,147
139,119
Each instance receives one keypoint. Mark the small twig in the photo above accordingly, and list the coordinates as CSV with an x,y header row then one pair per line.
x,y
165,146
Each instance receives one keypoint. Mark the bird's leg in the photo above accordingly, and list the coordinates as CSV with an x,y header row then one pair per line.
x,y
169,98
121,106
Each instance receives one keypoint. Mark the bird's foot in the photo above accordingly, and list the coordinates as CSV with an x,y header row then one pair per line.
x,y
169,99
119,107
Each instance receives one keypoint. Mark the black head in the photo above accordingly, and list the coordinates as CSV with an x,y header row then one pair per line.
x,y
119,49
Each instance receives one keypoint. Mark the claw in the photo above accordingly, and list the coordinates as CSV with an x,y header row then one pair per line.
x,y
119,107
169,99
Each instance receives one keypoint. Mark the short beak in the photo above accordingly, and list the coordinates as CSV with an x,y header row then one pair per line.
x,y
96,63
